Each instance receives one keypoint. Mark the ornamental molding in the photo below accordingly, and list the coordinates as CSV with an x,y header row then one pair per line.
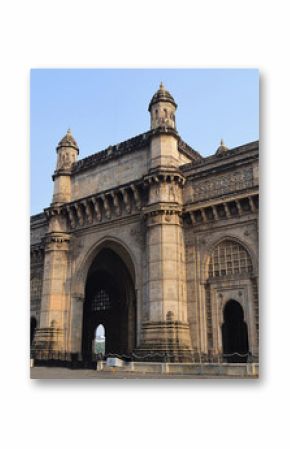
x,y
101,207
225,208
222,184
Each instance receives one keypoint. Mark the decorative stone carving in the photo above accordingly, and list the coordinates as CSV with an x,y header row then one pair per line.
x,y
79,215
136,196
223,184
106,204
117,205
88,212
97,209
126,200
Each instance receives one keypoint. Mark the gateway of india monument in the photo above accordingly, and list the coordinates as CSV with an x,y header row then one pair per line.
x,y
154,242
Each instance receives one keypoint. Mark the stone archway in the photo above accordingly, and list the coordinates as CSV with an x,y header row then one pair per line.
x,y
234,333
229,274
110,301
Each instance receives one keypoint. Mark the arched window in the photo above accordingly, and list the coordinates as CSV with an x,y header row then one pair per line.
x,y
229,257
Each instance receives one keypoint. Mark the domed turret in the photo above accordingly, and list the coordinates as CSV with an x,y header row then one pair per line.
x,y
67,152
162,109
222,149
68,141
162,95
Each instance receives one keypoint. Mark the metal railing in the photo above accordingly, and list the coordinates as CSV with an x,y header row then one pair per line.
x,y
52,357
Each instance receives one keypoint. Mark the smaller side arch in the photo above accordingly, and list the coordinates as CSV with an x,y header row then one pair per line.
x,y
228,273
234,332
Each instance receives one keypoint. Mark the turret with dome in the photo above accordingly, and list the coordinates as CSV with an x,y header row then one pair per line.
x,y
162,109
67,152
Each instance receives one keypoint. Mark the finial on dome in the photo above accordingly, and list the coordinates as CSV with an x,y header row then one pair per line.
x,y
68,141
222,149
162,95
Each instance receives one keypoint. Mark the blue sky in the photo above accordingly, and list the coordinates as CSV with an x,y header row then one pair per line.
x,y
106,106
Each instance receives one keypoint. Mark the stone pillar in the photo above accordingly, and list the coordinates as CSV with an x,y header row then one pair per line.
x,y
50,338
165,333
51,335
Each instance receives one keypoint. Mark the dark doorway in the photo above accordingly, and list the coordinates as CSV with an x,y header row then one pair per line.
x,y
235,333
110,301
33,324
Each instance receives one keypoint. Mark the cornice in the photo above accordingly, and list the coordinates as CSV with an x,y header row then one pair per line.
x,y
239,155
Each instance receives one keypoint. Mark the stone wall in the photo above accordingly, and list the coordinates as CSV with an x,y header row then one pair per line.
x,y
110,174
203,312
39,227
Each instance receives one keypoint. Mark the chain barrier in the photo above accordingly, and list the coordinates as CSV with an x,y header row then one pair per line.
x,y
56,356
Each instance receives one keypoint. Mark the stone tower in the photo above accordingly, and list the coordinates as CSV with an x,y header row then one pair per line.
x,y
51,335
162,109
166,328
67,152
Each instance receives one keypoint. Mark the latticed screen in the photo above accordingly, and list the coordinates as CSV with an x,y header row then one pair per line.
x,y
229,258
101,301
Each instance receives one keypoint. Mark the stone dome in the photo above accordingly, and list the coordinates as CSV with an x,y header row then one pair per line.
x,y
68,141
161,95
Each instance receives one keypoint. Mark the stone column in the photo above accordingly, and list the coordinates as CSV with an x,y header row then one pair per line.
x,y
166,331
50,338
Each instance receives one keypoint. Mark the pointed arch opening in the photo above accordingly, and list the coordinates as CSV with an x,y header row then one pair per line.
x,y
100,341
234,333
110,303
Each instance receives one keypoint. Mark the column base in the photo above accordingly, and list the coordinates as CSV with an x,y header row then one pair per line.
x,y
48,344
165,341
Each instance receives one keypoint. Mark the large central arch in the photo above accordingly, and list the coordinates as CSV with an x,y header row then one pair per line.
x,y
110,301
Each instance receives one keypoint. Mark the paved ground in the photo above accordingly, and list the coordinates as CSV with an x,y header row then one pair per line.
x,y
65,373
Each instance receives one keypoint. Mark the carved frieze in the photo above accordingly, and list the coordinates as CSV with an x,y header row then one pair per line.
x,y
222,184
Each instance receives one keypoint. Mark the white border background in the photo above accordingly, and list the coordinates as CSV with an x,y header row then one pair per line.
x,y
204,413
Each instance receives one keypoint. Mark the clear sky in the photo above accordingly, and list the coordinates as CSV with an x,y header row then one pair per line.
x,y
105,106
